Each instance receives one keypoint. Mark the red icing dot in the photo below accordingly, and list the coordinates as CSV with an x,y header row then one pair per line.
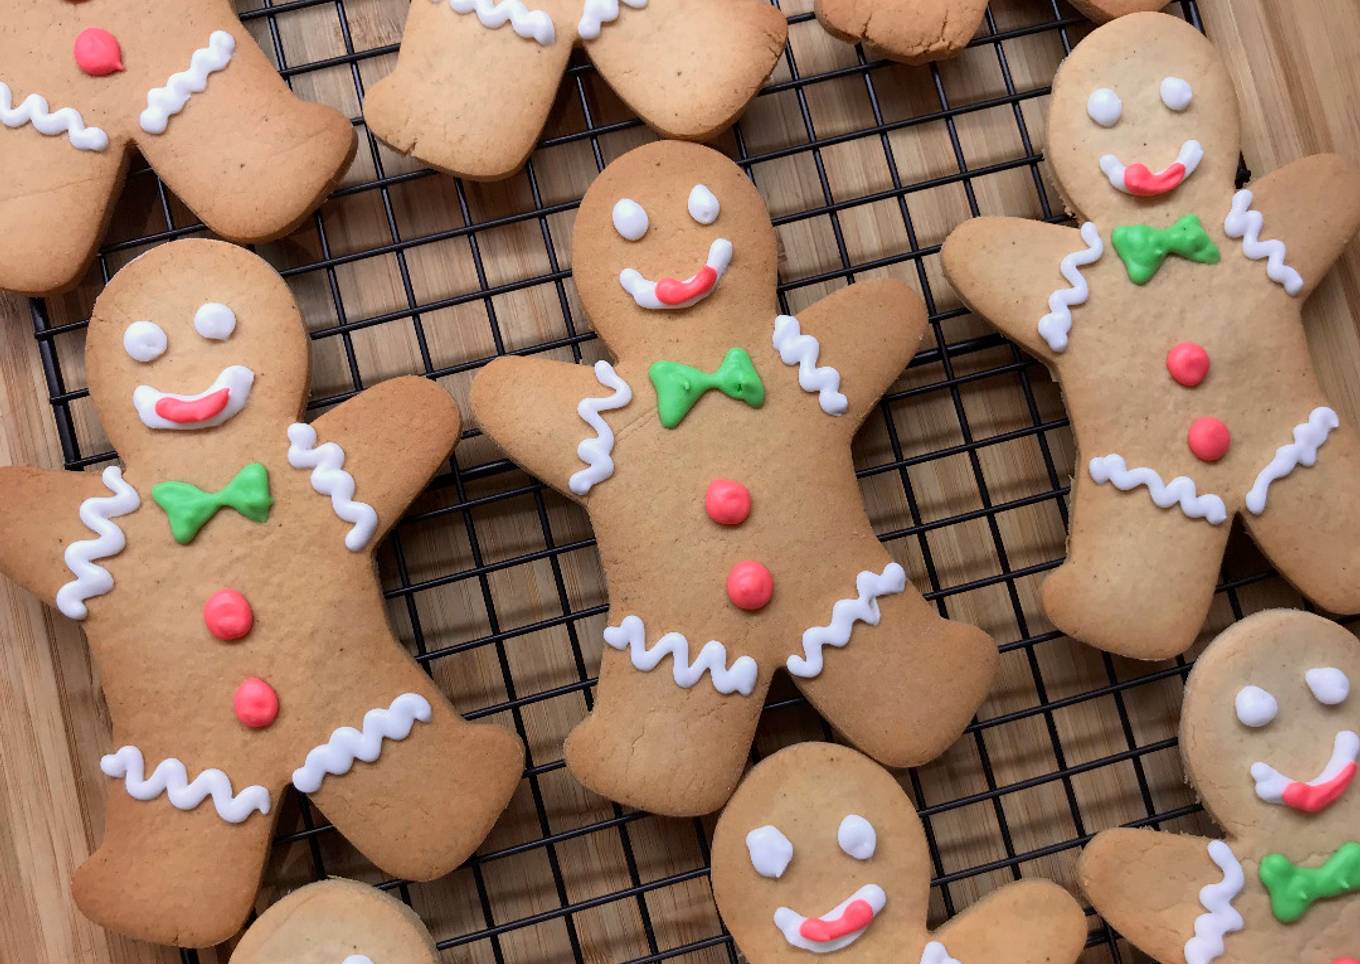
x,y
727,503
256,704
97,52
1188,363
1208,439
227,615
750,585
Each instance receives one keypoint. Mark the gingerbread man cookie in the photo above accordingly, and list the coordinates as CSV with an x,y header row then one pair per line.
x,y
1268,705
83,83
226,583
337,921
1172,320
688,68
820,826
714,460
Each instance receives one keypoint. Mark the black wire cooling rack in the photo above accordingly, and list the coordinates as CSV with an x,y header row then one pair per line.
x,y
985,801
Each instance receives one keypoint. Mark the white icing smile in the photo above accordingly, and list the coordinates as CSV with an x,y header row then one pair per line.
x,y
221,400
840,927
671,294
1137,180
1317,794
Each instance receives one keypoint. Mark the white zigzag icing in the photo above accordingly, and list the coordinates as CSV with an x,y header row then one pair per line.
x,y
1308,438
844,614
1111,468
599,12
529,24
162,103
597,452
336,756
1244,223
66,120
1220,917
631,635
172,779
796,348
96,514
329,477
936,954
1054,326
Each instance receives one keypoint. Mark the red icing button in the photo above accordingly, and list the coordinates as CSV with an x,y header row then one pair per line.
x,y
227,614
256,704
727,503
1208,439
1188,363
750,585
97,52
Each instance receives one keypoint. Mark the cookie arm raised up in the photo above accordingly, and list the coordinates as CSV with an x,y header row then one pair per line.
x,y
1030,922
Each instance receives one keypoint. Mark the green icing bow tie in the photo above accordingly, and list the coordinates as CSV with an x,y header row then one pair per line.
x,y
189,508
1143,248
679,387
1293,890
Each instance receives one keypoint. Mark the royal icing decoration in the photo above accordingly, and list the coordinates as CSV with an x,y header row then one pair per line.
x,y
357,959
171,778
750,585
96,514
669,294
1255,707
336,756
597,452
1176,93
857,837
703,205
679,387
599,12
1294,890
66,120
1188,364
189,508
1309,436
228,615
97,52
1329,685
1208,439
1055,326
1137,180
631,635
630,220
1104,107
1245,224
771,852
255,703
220,401
1179,491
530,24
844,614
935,953
727,503
1317,794
796,348
838,928
144,341
329,477
162,103
1143,248
214,321
1220,918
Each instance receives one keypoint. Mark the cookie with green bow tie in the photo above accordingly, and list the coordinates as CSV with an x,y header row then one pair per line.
x,y
1172,319
713,457
224,576
1270,736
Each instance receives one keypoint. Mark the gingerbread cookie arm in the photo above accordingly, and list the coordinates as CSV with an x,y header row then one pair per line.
x,y
1029,922
1104,10
1023,276
912,31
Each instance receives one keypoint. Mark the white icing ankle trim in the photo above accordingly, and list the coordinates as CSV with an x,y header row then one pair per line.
x,y
529,24
1244,223
172,779
796,348
329,477
65,120
1054,326
599,12
597,452
1220,917
790,922
844,614
1180,490
96,514
162,103
336,756
631,635
1309,436
936,954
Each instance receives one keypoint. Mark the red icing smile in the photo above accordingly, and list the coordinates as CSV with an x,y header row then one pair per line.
x,y
1308,798
672,292
209,406
856,916
1143,183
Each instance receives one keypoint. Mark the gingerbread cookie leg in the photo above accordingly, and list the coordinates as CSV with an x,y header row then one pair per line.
x,y
975,936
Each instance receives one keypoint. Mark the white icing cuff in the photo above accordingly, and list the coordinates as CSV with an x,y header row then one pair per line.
x,y
1179,491
329,477
172,779
336,756
97,515
597,452
1244,223
534,25
631,635
1308,438
1055,326
796,348
162,103
596,13
66,120
1220,918
844,614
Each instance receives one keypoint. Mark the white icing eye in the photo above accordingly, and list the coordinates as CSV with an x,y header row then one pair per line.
x,y
703,205
144,341
770,851
1330,686
215,321
1255,707
630,220
857,837
1105,107
1176,93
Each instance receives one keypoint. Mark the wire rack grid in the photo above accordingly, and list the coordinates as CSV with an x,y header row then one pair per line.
x,y
1089,728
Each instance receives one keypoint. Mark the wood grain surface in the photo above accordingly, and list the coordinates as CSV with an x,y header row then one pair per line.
x,y
1054,758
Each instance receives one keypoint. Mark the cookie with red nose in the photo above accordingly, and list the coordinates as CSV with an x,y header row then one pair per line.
x,y
820,852
1270,736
